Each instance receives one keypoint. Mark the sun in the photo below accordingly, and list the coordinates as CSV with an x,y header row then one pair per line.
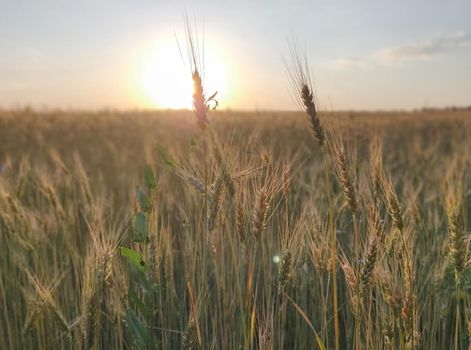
x,y
164,77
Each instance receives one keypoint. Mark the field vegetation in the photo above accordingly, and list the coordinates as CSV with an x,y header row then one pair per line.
x,y
235,230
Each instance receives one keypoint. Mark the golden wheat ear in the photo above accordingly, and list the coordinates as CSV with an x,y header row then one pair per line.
x,y
302,90
344,174
260,214
194,53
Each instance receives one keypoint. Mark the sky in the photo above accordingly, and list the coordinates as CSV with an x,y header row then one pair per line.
x,y
124,54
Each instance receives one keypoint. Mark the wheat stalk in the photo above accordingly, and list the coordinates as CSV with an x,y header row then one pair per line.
x,y
260,214
344,176
300,81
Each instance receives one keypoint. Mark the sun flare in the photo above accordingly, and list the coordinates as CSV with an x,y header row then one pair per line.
x,y
165,77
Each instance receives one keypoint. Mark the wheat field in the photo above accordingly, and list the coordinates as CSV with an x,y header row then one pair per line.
x,y
231,230
245,230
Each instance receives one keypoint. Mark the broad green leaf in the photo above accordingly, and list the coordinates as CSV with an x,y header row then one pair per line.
x,y
149,178
140,228
139,331
141,279
144,201
135,258
139,304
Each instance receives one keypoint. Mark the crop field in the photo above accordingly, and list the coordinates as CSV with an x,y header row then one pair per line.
x,y
235,175
245,230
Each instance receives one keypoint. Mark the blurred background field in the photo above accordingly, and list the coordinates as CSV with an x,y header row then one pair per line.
x,y
113,146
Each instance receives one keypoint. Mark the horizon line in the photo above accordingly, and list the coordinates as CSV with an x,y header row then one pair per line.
x,y
49,109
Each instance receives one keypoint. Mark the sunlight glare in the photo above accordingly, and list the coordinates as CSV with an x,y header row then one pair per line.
x,y
165,77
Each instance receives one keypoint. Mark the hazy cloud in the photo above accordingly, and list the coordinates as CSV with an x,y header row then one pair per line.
x,y
414,51
352,62
22,54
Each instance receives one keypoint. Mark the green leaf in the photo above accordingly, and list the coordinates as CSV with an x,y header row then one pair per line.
x,y
149,177
140,228
139,304
165,156
144,201
141,279
139,331
135,258
212,97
